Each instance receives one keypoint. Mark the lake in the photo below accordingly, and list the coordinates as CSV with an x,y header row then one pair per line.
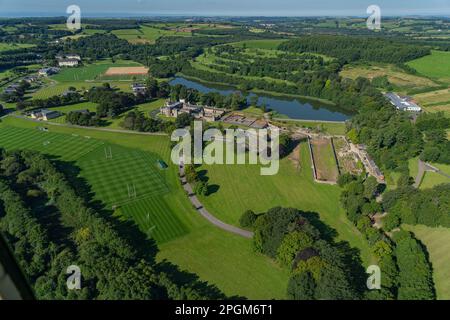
x,y
294,108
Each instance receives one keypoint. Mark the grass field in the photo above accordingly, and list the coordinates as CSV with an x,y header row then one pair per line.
x,y
326,166
92,71
55,88
437,242
435,101
436,65
216,256
147,34
13,46
289,188
402,81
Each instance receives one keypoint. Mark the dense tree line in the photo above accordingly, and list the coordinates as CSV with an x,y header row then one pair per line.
x,y
415,281
137,121
347,94
81,118
71,97
110,102
320,268
430,207
437,146
406,271
36,198
356,48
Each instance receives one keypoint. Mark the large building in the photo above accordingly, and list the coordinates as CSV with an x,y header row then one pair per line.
x,y
68,60
174,109
403,103
48,71
138,88
44,114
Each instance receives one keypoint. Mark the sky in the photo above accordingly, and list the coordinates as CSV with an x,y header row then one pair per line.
x,y
223,7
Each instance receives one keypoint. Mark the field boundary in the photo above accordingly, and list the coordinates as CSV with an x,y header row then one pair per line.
x,y
335,156
314,166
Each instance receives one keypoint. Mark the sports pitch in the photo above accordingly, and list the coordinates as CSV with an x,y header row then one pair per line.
x,y
125,178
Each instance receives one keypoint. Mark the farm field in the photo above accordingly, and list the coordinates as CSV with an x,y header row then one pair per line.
x,y
147,34
325,162
291,187
436,65
435,101
218,257
402,81
437,242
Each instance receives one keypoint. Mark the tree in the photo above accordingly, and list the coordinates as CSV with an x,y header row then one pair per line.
x,y
247,219
415,275
291,245
301,287
370,187
190,173
201,188
183,120
151,87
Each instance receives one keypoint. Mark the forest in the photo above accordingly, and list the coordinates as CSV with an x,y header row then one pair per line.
x,y
50,225
319,267
402,259
350,49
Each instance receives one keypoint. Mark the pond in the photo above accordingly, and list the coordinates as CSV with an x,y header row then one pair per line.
x,y
294,108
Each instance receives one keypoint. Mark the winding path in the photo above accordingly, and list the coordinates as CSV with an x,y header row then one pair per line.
x,y
203,212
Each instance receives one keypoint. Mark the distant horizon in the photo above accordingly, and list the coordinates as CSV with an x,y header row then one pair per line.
x,y
187,15
224,8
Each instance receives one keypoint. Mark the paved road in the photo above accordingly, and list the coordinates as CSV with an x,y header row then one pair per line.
x,y
91,128
420,174
200,209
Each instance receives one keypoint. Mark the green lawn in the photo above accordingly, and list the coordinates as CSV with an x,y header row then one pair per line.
x,y
437,242
432,179
241,187
436,65
218,257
